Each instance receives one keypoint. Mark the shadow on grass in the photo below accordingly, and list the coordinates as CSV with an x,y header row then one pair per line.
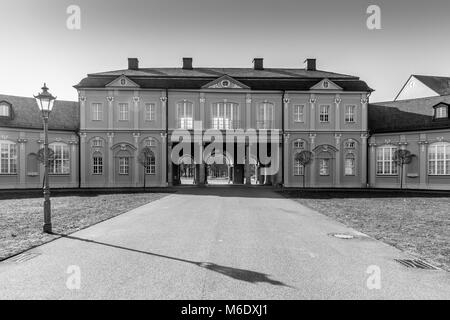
x,y
235,273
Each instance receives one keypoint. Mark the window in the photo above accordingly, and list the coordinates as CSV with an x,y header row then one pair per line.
x,y
350,144
324,167
185,113
124,113
350,164
8,157
150,165
150,142
441,112
299,144
124,165
298,168
150,112
385,160
60,162
265,115
97,143
439,159
97,164
97,112
4,109
324,113
298,113
224,116
350,113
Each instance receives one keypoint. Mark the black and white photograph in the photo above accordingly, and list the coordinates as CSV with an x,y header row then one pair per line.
x,y
223,156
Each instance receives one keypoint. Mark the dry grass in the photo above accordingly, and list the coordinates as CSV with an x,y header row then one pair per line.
x,y
21,220
418,224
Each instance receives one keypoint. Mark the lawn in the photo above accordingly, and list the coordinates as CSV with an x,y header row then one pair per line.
x,y
21,219
418,224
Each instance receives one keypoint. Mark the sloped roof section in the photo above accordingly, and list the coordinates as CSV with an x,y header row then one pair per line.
x,y
406,115
439,84
65,115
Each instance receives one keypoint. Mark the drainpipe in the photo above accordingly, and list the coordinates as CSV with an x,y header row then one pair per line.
x,y
167,135
282,138
79,160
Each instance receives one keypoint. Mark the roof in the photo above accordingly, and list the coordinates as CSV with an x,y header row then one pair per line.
x,y
439,84
266,79
64,116
406,115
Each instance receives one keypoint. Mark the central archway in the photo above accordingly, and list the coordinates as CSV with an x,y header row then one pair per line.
x,y
219,169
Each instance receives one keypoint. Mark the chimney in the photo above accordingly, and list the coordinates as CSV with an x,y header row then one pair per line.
x,y
311,64
133,64
258,64
187,63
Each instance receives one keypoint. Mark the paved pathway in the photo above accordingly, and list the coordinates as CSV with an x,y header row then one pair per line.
x,y
218,243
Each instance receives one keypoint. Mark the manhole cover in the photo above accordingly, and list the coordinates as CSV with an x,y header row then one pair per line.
x,y
416,264
342,236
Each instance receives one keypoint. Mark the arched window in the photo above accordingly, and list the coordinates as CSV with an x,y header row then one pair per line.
x,y
150,142
97,142
224,115
185,115
299,144
350,144
439,159
5,109
385,160
265,115
150,164
8,157
97,163
61,161
350,164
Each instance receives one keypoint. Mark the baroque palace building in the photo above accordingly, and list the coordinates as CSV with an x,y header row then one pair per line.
x,y
98,141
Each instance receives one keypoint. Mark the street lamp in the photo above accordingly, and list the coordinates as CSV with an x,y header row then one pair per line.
x,y
45,103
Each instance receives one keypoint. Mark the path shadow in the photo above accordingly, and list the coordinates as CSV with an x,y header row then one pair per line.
x,y
235,273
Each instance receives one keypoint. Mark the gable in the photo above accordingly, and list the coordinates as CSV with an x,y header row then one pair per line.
x,y
122,82
415,89
225,82
326,84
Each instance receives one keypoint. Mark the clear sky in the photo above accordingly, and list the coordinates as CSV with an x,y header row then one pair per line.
x,y
37,46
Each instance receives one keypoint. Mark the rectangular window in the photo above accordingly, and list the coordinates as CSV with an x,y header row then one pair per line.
x,y
350,113
224,116
150,112
350,167
298,113
97,166
61,162
298,168
185,114
8,158
385,161
324,113
324,167
124,165
439,159
97,143
150,166
265,116
4,110
97,112
441,112
124,113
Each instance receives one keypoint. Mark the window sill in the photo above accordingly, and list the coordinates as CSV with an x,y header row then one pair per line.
x,y
59,174
8,174
387,175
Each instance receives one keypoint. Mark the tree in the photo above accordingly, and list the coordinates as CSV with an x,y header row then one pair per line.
x,y
305,157
144,156
401,158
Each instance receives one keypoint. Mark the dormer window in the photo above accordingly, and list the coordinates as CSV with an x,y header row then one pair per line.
x,y
5,109
441,111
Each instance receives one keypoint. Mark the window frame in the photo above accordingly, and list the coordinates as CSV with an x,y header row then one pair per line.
x,y
350,113
324,115
327,167
124,168
97,164
187,121
11,158
7,107
299,169
350,156
224,115
299,113
124,115
441,115
392,165
267,121
97,111
440,162
150,165
150,112
59,149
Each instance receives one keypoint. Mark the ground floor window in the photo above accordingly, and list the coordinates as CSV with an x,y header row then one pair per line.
x,y
385,160
124,165
350,165
298,168
324,167
439,159
60,163
8,157
150,165
97,165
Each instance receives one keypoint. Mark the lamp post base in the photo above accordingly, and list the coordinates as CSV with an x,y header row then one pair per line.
x,y
48,228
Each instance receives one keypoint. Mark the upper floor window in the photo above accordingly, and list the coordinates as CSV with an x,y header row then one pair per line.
x,y
5,109
441,112
385,160
350,113
185,115
8,157
150,164
324,113
150,114
298,113
299,144
97,163
439,159
124,165
97,112
265,115
124,112
61,161
225,115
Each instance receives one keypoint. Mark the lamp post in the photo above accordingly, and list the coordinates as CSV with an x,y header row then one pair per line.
x,y
45,103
